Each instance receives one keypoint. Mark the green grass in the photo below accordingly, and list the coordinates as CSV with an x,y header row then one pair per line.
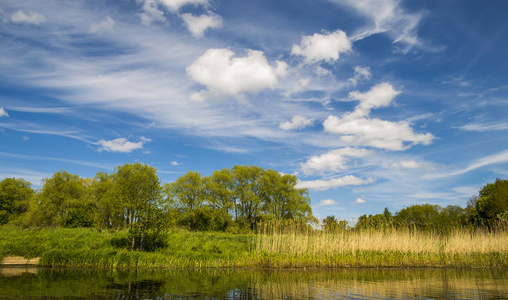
x,y
108,249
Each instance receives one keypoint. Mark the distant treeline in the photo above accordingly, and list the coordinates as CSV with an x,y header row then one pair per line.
x,y
487,209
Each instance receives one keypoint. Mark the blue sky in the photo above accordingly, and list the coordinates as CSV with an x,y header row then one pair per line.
x,y
371,104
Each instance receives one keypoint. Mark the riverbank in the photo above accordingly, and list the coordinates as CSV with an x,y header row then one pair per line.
x,y
293,249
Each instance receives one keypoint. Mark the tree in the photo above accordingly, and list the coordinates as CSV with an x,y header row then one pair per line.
x,y
137,187
188,191
281,199
378,221
15,195
111,213
62,201
247,190
491,204
424,216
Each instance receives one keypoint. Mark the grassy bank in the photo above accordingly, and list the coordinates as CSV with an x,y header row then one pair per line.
x,y
269,248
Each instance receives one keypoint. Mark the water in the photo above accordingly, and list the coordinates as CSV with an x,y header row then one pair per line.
x,y
33,283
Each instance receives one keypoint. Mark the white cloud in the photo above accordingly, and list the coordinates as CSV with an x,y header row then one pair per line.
x,y
107,25
3,113
224,75
322,185
375,132
356,128
121,145
30,17
175,5
360,73
326,202
25,138
359,201
485,127
379,96
175,163
411,164
151,13
323,47
498,158
332,161
197,25
388,17
298,122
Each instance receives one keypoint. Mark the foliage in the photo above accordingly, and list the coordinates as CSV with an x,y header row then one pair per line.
x,y
491,204
138,189
15,195
63,201
331,224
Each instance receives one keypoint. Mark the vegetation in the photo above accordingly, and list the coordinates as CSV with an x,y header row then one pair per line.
x,y
240,217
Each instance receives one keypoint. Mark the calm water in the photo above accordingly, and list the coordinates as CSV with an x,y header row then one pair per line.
x,y
32,283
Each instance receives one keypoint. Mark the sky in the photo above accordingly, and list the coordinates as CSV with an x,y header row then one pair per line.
x,y
370,103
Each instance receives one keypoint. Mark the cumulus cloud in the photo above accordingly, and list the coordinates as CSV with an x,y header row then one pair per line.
x,y
175,163
359,201
197,25
332,161
29,17
323,47
175,5
322,185
411,164
379,96
298,122
357,128
326,202
225,75
360,73
107,25
3,113
121,145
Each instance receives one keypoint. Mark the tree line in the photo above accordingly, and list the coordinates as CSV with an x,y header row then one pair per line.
x,y
231,200
488,209
132,197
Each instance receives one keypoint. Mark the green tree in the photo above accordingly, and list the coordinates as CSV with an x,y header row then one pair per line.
x,y
247,194
377,222
62,201
281,199
15,195
188,191
137,187
491,204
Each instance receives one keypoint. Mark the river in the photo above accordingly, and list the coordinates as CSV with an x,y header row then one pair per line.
x,y
40,283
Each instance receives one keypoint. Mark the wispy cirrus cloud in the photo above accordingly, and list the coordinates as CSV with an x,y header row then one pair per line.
x,y
388,17
3,113
28,17
485,127
326,184
106,25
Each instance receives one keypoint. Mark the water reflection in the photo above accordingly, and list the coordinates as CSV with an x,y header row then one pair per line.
x,y
30,283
